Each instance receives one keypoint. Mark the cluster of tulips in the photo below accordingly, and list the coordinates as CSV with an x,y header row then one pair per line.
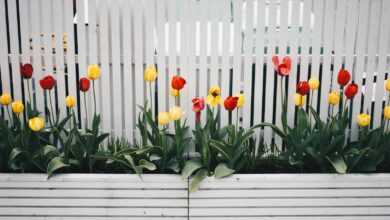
x,y
213,99
47,83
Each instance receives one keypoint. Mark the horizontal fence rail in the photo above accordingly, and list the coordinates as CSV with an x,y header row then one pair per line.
x,y
222,42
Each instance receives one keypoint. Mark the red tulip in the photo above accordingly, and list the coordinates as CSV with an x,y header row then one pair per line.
x,y
47,82
230,103
84,84
351,90
284,68
343,77
197,107
303,88
26,70
178,82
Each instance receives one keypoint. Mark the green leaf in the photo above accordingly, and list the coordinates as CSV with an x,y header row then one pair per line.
x,y
15,153
190,167
131,162
147,165
338,164
47,149
55,164
222,170
197,179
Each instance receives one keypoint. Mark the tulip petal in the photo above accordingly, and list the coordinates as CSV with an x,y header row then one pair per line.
x,y
275,61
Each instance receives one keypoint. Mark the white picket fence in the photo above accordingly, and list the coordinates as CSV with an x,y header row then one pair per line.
x,y
224,42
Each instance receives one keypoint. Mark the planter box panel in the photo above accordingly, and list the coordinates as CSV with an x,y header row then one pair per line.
x,y
286,196
93,196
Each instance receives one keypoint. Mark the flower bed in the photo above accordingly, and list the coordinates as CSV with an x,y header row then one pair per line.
x,y
56,144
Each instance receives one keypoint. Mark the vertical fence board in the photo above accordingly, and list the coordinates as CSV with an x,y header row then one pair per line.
x,y
128,78
104,60
225,8
163,88
213,18
203,71
306,38
172,42
246,85
5,75
338,40
360,52
382,57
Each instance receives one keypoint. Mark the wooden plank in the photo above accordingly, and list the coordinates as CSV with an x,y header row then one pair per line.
x,y
128,78
225,53
59,30
203,70
360,51
25,36
14,49
104,62
138,9
172,42
213,25
246,84
270,78
306,39
5,74
294,44
163,78
339,46
116,73
92,218
37,59
372,51
70,53
296,218
382,57
93,48
326,80
111,212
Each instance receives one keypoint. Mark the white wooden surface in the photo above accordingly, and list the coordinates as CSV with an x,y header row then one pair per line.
x,y
92,196
242,196
202,41
293,196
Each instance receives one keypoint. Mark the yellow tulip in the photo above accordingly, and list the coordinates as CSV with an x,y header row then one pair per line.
x,y
241,100
314,83
299,100
386,113
175,92
36,123
387,85
363,120
70,101
93,72
163,118
175,113
213,100
150,74
5,99
215,91
17,107
334,98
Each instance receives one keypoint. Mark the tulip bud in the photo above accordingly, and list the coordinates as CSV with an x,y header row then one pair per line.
x,y
174,92
36,124
386,113
363,120
387,85
26,71
70,101
178,82
150,74
241,100
93,72
84,84
175,113
230,103
334,98
314,84
17,107
47,82
343,77
299,100
303,88
351,90
5,99
163,118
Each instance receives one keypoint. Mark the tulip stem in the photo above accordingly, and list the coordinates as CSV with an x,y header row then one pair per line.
x,y
9,115
29,93
51,107
94,96
237,120
151,97
86,110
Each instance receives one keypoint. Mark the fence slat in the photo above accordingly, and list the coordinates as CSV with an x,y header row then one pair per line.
x,y
163,88
128,78
203,71
338,40
306,39
172,42
383,49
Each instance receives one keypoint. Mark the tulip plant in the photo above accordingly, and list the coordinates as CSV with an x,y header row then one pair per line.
x,y
31,141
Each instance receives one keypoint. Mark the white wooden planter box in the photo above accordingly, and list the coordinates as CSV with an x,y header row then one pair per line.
x,y
241,197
